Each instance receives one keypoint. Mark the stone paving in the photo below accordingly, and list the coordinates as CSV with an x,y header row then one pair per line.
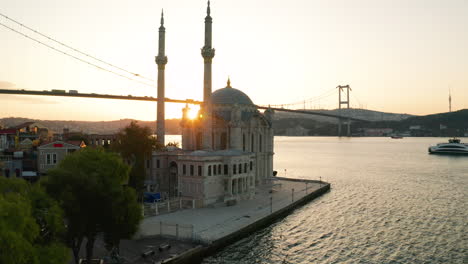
x,y
131,250
210,224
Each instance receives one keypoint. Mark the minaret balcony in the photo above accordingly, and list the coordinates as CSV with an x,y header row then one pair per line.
x,y
161,60
207,53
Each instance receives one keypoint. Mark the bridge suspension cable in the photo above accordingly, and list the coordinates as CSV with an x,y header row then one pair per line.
x,y
78,51
357,100
325,94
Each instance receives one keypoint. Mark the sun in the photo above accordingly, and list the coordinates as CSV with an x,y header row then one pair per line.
x,y
193,111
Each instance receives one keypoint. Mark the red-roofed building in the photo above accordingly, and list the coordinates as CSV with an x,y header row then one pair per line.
x,y
51,153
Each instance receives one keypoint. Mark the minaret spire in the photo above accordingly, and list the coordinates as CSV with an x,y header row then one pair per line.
x,y
208,22
207,53
161,61
162,17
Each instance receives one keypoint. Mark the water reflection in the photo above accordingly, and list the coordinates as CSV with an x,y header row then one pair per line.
x,y
390,202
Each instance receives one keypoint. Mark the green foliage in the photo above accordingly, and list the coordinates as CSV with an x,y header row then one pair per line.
x,y
54,254
135,141
90,185
172,144
135,144
125,216
31,224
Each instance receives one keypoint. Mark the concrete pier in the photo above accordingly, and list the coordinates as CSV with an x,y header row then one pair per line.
x,y
220,226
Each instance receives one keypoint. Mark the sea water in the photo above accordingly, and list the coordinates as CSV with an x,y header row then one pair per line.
x,y
390,202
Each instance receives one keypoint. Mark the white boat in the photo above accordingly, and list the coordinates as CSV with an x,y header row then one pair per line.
x,y
454,146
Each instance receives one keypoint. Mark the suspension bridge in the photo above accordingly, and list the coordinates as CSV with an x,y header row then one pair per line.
x,y
93,61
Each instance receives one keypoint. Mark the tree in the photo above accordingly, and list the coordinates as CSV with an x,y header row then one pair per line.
x,y
173,144
125,216
135,144
78,137
31,225
91,187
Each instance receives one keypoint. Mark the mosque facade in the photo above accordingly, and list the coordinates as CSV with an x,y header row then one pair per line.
x,y
227,150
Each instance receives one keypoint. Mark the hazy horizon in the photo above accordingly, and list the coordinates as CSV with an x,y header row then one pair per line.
x,y
174,118
398,56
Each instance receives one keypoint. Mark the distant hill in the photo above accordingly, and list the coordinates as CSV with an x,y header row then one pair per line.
x,y
89,127
442,124
458,119
284,123
452,120
364,114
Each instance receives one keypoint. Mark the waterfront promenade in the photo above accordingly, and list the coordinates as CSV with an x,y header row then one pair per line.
x,y
213,223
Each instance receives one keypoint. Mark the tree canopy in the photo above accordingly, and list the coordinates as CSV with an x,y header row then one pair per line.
x,y
80,137
31,225
91,187
135,144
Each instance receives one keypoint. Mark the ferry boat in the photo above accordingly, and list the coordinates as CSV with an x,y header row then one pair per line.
x,y
454,146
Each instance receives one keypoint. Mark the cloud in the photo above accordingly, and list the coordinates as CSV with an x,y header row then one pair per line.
x,y
6,85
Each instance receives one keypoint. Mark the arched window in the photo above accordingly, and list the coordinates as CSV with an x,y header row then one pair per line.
x,y
243,142
173,180
252,144
259,143
223,140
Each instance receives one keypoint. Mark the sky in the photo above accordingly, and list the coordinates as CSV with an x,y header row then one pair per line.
x,y
399,56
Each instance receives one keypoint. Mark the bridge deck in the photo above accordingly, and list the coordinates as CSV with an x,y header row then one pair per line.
x,y
152,99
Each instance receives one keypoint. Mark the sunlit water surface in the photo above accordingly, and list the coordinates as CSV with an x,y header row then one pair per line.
x,y
390,202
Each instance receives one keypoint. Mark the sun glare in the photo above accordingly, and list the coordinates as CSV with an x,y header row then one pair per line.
x,y
193,112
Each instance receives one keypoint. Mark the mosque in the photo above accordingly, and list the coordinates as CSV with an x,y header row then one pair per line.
x,y
227,150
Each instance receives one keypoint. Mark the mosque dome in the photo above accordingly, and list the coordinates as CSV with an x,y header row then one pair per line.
x,y
229,95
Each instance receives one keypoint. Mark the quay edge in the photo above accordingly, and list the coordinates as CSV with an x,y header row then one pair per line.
x,y
197,254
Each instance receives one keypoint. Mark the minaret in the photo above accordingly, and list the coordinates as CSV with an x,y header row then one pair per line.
x,y
161,61
207,53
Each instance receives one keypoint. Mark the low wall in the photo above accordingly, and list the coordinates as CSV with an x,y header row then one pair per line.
x,y
197,254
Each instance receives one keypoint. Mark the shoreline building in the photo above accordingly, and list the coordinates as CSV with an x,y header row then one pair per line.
x,y
227,150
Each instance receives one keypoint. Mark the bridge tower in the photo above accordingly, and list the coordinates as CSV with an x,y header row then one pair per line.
x,y
207,53
161,61
346,104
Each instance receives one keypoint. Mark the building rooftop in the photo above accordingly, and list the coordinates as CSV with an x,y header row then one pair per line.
x,y
226,152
